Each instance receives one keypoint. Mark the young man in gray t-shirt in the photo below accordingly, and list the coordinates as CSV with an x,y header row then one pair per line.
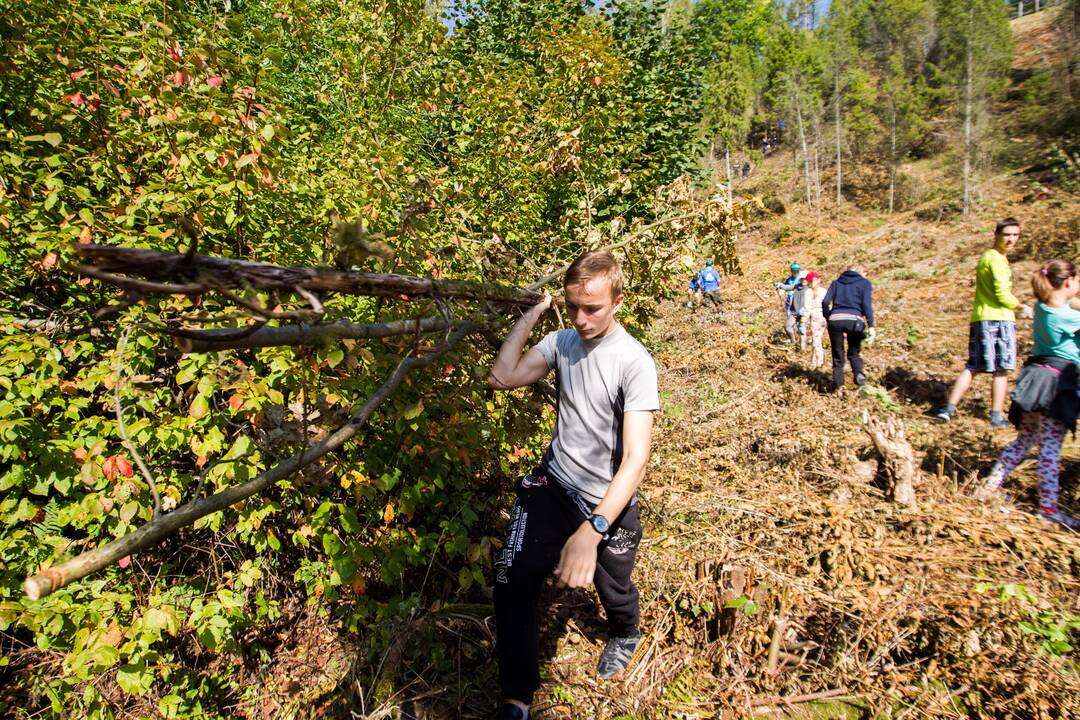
x,y
577,514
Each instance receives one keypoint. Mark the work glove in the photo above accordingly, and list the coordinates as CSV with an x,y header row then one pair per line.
x,y
871,335
1026,312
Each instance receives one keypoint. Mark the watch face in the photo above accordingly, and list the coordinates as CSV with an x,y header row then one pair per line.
x,y
600,523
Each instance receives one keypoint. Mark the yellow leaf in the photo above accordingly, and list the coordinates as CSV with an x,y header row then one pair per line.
x,y
388,513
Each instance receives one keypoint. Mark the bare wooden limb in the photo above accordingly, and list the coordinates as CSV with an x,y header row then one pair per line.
x,y
181,274
897,456
199,341
51,579
121,427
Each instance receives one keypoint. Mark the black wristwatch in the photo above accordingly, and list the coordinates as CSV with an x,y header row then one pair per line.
x,y
600,524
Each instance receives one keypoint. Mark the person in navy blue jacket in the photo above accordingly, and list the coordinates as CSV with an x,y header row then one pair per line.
x,y
849,310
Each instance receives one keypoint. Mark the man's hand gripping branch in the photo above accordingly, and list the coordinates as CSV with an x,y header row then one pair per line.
x,y
512,369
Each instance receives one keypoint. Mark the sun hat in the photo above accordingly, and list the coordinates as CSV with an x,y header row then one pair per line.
x,y
795,267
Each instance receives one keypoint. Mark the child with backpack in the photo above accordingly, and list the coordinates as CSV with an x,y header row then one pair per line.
x,y
1044,401
799,303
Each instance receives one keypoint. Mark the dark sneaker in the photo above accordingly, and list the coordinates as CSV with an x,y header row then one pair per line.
x,y
860,379
616,655
509,711
943,415
1062,518
999,423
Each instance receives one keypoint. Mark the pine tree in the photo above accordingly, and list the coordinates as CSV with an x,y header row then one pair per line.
x,y
975,53
897,34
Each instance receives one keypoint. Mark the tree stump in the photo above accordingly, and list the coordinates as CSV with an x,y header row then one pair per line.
x,y
898,458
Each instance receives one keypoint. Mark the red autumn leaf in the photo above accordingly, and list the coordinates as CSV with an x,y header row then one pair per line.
x,y
430,106
214,81
108,468
85,236
236,402
111,88
75,98
124,561
124,466
597,80
125,114
174,52
65,221
80,454
78,74
84,281
179,78
49,260
94,102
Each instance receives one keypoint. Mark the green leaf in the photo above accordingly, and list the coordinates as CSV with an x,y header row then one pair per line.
x,y
53,138
413,411
104,656
135,679
129,511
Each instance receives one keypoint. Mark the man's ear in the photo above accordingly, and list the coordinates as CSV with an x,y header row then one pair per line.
x,y
619,301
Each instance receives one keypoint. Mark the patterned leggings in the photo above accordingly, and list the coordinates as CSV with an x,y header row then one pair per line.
x,y
1048,434
816,325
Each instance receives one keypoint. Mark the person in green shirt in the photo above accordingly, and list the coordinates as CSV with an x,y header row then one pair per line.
x,y
992,331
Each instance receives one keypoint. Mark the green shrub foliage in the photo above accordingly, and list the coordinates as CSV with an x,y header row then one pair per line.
x,y
495,153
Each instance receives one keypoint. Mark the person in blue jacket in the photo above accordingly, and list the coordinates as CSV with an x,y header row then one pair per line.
x,y
849,310
786,290
709,284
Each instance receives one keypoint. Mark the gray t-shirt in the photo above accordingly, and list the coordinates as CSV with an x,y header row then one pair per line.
x,y
597,381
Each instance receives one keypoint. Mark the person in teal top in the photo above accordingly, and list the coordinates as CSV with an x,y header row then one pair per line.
x,y
1055,332
1044,402
992,327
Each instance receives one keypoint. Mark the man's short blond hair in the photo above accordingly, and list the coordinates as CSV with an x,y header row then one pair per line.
x,y
596,264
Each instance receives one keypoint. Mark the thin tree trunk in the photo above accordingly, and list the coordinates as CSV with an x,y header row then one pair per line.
x,y
817,161
806,156
1020,8
892,164
836,107
968,109
727,164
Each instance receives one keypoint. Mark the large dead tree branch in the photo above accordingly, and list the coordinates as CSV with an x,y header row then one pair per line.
x,y
51,579
199,341
156,271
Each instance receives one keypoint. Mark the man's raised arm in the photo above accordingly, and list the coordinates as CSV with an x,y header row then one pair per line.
x,y
512,369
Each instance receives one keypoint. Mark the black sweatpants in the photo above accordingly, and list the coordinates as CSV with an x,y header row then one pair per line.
x,y
544,517
840,330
